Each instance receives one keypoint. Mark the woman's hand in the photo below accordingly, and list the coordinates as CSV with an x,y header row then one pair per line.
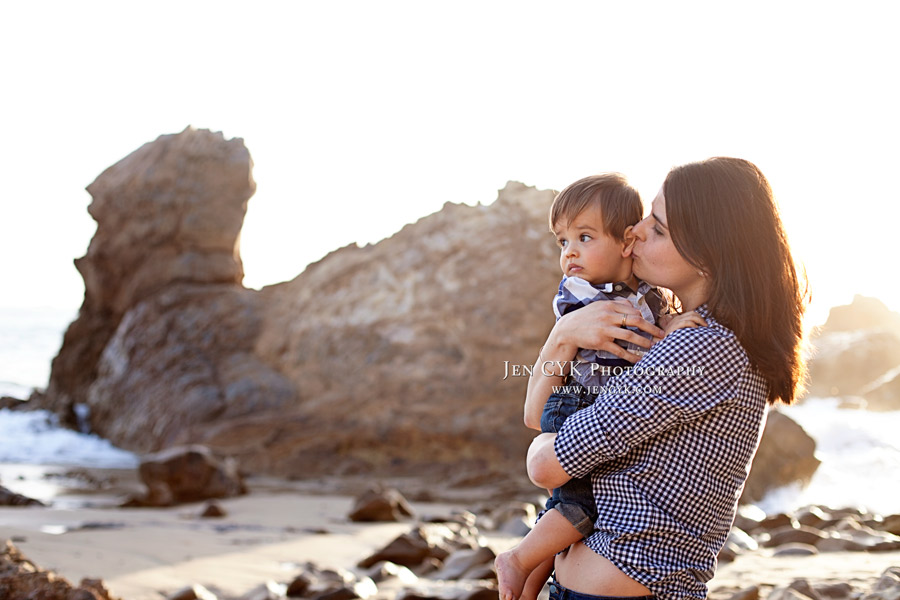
x,y
544,469
597,326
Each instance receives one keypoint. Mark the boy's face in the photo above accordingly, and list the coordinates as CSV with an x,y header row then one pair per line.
x,y
588,252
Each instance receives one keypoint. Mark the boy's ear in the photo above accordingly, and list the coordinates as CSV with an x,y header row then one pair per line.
x,y
628,243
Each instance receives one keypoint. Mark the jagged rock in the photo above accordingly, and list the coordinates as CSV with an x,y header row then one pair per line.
x,y
422,543
814,516
891,524
513,518
777,521
863,313
398,349
192,592
834,591
844,363
461,562
213,510
329,584
747,593
795,549
169,212
380,504
21,578
883,393
887,587
385,570
794,535
786,455
10,403
10,498
188,474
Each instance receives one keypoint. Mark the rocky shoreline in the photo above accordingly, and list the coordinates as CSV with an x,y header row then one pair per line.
x,y
282,541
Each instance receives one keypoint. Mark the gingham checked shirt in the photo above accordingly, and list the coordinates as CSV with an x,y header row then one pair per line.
x,y
668,452
575,292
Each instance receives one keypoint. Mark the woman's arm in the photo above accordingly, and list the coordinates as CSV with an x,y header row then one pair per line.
x,y
596,326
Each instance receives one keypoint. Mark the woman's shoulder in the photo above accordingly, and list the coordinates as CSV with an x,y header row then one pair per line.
x,y
713,345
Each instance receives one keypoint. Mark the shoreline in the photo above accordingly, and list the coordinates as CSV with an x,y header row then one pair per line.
x,y
270,534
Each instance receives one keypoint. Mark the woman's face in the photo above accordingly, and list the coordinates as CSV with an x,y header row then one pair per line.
x,y
658,262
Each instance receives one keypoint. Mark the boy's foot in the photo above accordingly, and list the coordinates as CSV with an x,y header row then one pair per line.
x,y
511,575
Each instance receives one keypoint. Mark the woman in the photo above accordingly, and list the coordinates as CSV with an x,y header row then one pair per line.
x,y
669,451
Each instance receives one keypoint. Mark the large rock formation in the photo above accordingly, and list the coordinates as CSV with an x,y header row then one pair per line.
x,y
168,213
388,358
858,345
785,456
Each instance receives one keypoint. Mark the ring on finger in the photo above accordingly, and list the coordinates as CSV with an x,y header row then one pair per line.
x,y
624,318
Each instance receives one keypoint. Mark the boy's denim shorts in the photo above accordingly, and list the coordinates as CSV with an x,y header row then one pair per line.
x,y
574,500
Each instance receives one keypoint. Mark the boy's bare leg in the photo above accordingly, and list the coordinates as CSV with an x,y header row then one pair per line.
x,y
535,582
551,534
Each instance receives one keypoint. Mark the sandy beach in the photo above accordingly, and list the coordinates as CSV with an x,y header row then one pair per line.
x,y
268,535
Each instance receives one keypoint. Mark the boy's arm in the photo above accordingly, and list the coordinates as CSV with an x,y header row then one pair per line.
x,y
540,387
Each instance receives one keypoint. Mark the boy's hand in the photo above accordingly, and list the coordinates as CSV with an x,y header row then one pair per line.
x,y
670,323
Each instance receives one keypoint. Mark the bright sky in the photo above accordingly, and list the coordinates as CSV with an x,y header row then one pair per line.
x,y
364,116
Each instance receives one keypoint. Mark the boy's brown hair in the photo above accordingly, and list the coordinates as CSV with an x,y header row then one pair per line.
x,y
619,203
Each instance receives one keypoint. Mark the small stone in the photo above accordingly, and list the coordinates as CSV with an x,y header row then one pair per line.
x,y
213,511
192,592
748,593
795,549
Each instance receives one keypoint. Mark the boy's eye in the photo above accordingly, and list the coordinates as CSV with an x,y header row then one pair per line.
x,y
584,237
561,243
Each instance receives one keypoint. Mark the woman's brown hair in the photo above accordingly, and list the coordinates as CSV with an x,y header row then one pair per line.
x,y
724,221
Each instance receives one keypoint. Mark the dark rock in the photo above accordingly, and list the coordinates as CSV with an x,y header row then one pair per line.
x,y
748,517
329,584
213,510
21,578
813,516
188,474
833,591
747,593
887,587
385,570
461,562
891,524
298,586
794,535
423,542
840,544
10,498
192,592
10,403
169,213
778,521
380,504
727,553
786,455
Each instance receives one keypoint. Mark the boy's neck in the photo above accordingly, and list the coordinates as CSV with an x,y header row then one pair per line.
x,y
632,282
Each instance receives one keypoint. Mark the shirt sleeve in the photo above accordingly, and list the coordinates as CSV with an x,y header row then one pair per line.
x,y
691,371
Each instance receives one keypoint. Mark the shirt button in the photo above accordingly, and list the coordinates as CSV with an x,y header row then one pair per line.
x,y
618,288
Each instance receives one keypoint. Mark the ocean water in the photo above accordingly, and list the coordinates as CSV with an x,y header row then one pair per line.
x,y
859,450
